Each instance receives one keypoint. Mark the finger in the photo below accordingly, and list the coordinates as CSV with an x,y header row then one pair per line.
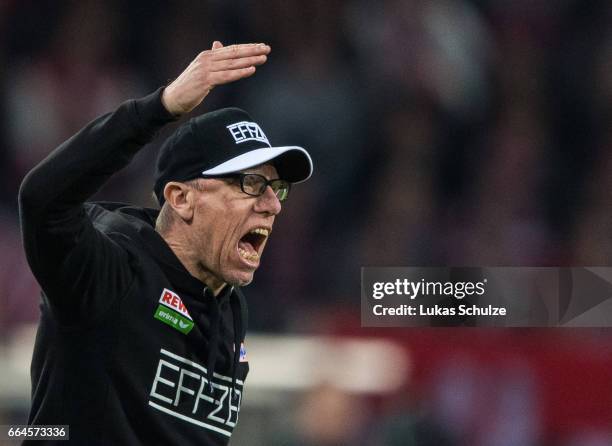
x,y
237,51
221,51
233,64
224,77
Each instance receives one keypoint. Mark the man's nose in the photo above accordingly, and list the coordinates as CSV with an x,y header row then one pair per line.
x,y
268,202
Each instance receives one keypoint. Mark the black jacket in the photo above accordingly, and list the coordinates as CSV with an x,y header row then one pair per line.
x,y
131,349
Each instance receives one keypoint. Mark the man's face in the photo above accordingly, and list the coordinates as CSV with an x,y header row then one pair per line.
x,y
231,228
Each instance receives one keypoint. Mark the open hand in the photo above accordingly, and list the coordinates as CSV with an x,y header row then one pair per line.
x,y
217,66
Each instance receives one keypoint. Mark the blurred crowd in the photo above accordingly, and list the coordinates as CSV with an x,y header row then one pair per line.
x,y
443,132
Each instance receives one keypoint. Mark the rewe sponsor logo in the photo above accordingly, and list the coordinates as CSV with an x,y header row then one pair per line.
x,y
172,300
247,131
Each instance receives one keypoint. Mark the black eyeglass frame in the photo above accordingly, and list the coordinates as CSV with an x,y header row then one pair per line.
x,y
264,181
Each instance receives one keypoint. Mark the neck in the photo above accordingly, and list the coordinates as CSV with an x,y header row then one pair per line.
x,y
193,266
211,281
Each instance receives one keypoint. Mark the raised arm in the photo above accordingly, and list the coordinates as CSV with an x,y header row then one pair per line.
x,y
68,256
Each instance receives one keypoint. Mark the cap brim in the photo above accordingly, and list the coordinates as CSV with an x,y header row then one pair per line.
x,y
293,163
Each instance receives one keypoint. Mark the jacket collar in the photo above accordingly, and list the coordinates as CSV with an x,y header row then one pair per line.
x,y
140,222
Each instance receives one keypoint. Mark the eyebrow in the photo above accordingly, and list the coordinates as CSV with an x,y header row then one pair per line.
x,y
261,174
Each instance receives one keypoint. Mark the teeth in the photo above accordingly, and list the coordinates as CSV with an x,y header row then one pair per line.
x,y
249,256
261,231
253,256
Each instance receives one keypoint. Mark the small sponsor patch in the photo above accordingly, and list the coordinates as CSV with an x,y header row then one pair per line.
x,y
243,355
173,301
173,318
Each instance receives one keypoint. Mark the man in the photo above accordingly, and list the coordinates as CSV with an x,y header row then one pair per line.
x,y
141,339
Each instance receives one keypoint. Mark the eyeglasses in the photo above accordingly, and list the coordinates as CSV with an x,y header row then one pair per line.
x,y
255,185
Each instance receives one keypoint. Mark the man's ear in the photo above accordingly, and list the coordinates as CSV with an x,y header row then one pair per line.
x,y
181,198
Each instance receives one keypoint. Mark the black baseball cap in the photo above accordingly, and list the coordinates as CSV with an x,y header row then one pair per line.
x,y
221,142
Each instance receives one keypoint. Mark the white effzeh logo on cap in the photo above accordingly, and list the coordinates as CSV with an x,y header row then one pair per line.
x,y
247,131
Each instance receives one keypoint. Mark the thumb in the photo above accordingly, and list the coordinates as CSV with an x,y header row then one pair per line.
x,y
216,45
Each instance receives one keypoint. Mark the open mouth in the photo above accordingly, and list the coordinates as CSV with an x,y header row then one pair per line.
x,y
250,245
